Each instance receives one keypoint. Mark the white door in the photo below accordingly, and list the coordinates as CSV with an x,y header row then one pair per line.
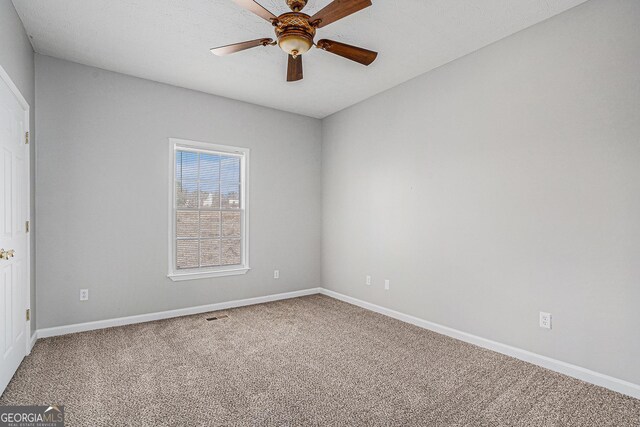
x,y
14,212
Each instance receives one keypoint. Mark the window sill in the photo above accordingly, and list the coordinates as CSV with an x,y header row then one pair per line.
x,y
179,277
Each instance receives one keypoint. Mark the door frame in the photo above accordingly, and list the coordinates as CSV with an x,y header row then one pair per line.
x,y
25,105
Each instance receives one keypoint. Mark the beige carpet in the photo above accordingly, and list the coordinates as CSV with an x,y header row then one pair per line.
x,y
307,361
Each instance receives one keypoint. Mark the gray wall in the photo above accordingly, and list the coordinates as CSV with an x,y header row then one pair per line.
x,y
16,57
500,185
102,203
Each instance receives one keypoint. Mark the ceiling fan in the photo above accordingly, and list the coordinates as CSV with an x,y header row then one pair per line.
x,y
295,32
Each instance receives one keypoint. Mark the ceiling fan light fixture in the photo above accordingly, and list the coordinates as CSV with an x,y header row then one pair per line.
x,y
295,32
295,44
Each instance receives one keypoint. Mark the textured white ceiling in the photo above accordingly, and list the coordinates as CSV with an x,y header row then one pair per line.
x,y
169,40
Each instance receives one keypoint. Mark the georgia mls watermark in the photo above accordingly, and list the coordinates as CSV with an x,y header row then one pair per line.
x,y
32,416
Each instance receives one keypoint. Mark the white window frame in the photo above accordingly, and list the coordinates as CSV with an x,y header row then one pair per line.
x,y
226,150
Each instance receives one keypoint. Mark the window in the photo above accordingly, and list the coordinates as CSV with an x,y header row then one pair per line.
x,y
208,215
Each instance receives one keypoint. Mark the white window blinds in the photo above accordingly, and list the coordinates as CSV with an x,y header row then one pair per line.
x,y
208,208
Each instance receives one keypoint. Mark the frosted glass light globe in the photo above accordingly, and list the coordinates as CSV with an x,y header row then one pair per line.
x,y
294,44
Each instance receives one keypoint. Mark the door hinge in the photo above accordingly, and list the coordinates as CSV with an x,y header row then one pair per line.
x,y
28,314
26,137
26,226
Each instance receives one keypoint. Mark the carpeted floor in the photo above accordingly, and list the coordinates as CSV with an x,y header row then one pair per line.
x,y
306,361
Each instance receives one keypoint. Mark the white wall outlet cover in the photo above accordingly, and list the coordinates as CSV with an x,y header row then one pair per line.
x,y
84,294
545,320
276,274
386,284
368,281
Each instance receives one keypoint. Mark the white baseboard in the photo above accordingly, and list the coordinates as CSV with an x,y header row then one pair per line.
x,y
574,371
149,317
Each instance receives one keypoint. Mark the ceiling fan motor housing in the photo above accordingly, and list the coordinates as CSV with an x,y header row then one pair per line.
x,y
294,32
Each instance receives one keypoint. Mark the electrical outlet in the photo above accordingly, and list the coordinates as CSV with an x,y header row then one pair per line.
x,y
84,294
545,320
386,284
368,281
276,274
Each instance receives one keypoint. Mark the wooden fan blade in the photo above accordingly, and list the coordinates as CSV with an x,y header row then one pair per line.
x,y
237,47
358,54
257,8
338,9
294,70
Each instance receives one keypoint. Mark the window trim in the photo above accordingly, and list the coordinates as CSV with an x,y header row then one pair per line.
x,y
227,270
